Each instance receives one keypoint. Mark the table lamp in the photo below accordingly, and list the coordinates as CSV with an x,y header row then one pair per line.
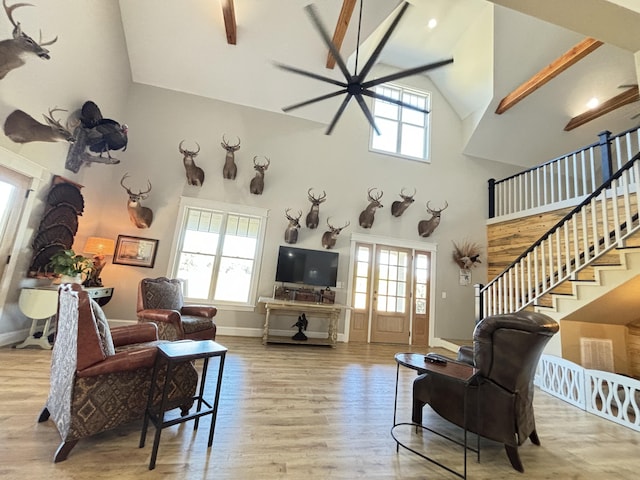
x,y
99,247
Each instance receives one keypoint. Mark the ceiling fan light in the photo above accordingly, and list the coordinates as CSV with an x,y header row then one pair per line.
x,y
593,103
431,24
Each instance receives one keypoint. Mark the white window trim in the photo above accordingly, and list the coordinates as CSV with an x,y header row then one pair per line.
x,y
228,208
372,132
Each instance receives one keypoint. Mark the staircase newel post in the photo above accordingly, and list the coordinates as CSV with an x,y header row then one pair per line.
x,y
479,304
605,153
492,197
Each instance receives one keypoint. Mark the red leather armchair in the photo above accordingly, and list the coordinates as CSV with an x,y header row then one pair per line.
x,y
160,301
506,350
89,359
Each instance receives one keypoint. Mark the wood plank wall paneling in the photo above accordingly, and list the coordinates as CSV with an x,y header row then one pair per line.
x,y
507,240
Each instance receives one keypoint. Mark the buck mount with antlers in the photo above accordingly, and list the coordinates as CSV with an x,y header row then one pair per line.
x,y
426,227
230,169
291,233
313,217
21,127
329,237
367,216
13,49
140,216
195,175
257,183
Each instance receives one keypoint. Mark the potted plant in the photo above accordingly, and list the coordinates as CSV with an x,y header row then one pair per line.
x,y
70,266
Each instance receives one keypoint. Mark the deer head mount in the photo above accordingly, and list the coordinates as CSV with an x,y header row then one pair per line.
x,y
140,216
313,217
291,233
426,227
329,237
257,183
398,207
23,128
195,175
230,168
367,216
12,50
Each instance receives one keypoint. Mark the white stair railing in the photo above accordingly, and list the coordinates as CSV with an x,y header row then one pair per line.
x,y
601,222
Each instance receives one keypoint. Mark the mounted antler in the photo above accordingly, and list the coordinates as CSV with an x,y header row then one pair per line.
x,y
329,238
195,175
313,217
398,207
23,128
291,233
230,169
257,183
367,216
140,216
426,227
12,50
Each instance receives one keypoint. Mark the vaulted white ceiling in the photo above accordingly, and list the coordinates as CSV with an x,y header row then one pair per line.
x,y
182,46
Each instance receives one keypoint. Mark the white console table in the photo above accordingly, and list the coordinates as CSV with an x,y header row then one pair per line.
x,y
295,308
40,304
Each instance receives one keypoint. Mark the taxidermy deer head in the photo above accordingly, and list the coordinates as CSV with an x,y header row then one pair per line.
x,y
140,216
195,175
291,233
426,227
398,207
12,50
313,217
329,238
23,128
230,169
257,183
367,216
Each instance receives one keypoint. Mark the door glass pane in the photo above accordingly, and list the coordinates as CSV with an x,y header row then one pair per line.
x,y
360,301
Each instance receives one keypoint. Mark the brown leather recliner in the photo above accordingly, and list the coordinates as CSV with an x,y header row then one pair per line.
x,y
100,377
506,350
160,301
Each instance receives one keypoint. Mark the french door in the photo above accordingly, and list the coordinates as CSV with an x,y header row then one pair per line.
x,y
390,295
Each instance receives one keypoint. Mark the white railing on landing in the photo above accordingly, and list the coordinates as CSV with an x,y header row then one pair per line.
x,y
564,181
601,222
608,395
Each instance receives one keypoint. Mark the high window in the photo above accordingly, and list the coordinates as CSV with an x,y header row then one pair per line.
x,y
217,252
403,131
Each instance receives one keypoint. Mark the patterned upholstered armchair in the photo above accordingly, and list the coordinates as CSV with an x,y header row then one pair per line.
x,y
89,359
160,301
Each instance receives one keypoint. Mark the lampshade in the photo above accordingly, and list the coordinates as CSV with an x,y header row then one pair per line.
x,y
99,246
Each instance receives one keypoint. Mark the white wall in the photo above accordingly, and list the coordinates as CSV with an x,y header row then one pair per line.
x,y
89,64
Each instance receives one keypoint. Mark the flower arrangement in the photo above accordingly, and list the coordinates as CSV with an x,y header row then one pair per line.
x,y
467,254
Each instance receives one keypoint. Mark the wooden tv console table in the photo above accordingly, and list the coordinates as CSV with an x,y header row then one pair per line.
x,y
295,308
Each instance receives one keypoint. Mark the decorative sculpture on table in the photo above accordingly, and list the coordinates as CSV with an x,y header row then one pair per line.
x,y
313,217
302,325
426,227
398,207
257,183
195,175
367,216
291,233
13,49
329,237
230,168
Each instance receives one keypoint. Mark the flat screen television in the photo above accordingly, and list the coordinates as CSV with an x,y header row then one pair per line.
x,y
309,267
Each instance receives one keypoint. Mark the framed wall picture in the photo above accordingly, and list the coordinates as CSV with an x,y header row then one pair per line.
x,y
136,251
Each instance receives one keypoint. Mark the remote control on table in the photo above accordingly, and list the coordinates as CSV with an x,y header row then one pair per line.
x,y
435,358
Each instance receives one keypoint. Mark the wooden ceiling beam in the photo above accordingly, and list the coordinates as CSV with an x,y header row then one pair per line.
x,y
229,14
576,53
341,29
628,96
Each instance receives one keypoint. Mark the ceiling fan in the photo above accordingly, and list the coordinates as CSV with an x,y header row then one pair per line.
x,y
355,85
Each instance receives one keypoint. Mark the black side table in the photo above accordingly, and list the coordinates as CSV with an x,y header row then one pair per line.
x,y
172,354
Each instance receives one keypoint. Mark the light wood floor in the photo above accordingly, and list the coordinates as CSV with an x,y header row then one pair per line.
x,y
297,412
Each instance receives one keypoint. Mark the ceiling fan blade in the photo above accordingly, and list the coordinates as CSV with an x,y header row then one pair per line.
x,y
406,73
367,112
311,75
383,41
371,94
314,100
338,114
313,14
